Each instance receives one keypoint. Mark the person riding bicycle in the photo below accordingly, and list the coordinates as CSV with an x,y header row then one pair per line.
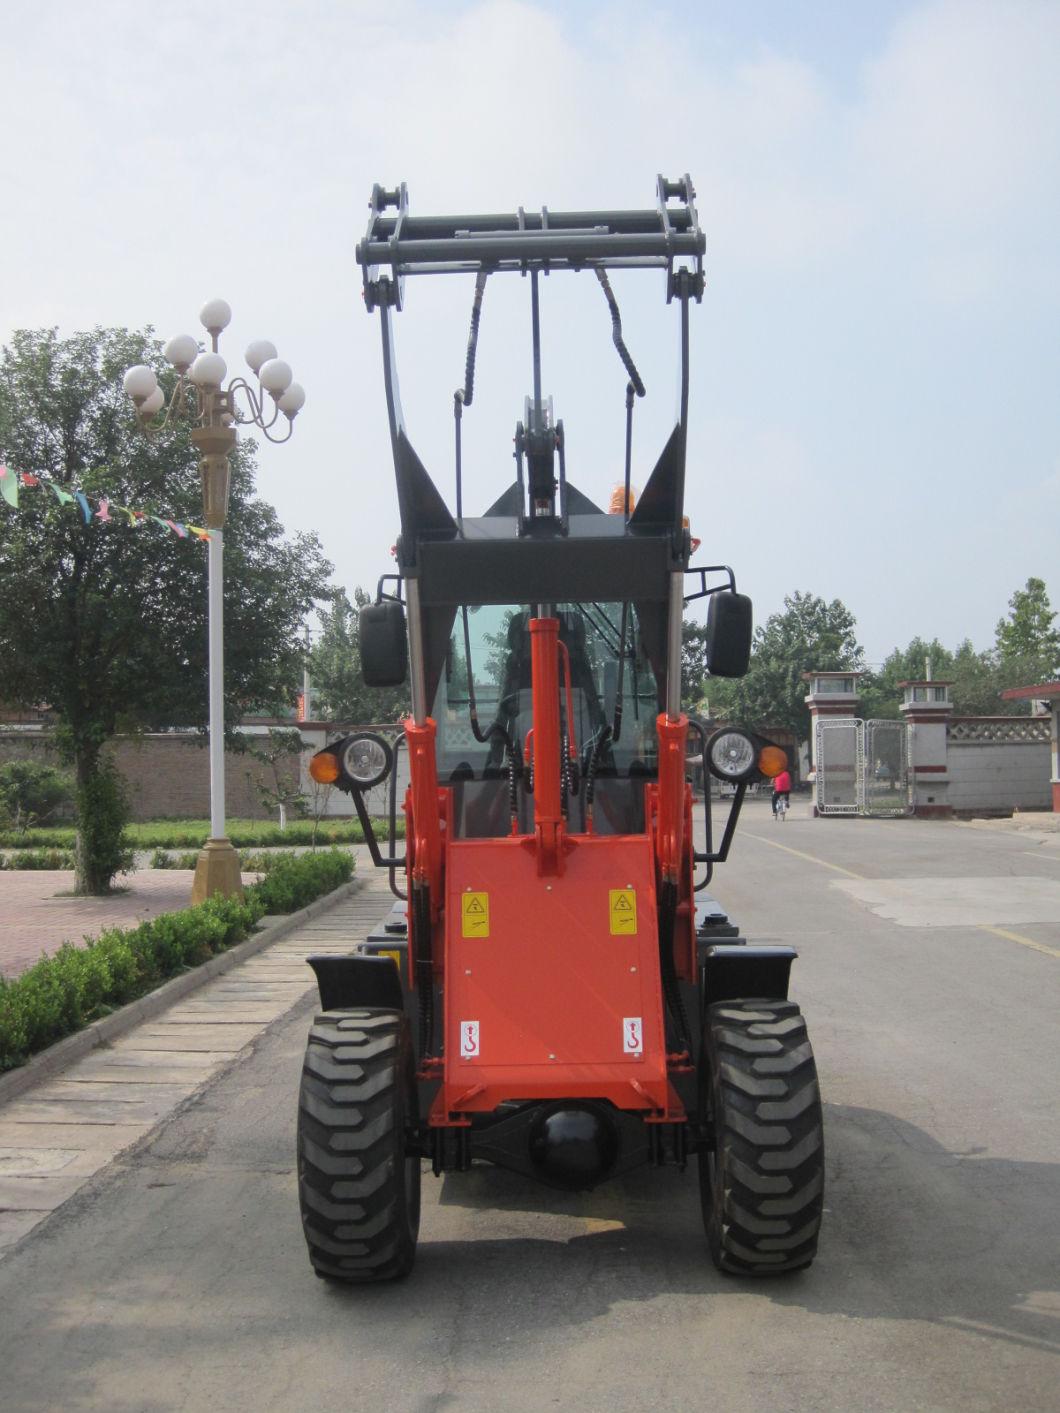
x,y
782,789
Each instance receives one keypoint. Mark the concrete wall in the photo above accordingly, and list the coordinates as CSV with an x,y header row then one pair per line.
x,y
999,775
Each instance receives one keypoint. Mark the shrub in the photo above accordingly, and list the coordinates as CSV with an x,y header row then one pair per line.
x,y
30,792
68,990
249,862
192,834
162,858
295,881
40,858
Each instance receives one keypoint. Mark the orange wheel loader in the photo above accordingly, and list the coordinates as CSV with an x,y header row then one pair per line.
x,y
553,992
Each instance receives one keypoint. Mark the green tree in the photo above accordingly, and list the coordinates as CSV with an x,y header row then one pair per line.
x,y
978,679
809,635
1027,638
279,785
881,695
106,624
335,668
695,680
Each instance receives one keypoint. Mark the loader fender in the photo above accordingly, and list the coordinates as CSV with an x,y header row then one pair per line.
x,y
356,981
731,973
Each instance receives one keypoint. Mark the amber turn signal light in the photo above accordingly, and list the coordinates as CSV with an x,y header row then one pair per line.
x,y
324,767
771,761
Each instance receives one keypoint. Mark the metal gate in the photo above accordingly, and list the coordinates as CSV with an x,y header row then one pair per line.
x,y
886,781
840,757
862,767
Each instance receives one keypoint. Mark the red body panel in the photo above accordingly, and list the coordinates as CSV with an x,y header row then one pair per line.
x,y
546,945
563,1006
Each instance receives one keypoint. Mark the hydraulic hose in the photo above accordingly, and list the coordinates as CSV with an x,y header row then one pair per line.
x,y
616,333
464,396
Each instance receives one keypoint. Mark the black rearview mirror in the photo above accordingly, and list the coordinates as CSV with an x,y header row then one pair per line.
x,y
729,629
384,644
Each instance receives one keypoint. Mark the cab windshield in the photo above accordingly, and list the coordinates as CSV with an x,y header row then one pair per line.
x,y
612,686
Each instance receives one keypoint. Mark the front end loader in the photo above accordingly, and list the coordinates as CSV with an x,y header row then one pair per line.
x,y
554,992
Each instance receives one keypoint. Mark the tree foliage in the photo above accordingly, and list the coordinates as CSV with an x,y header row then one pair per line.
x,y
881,694
107,624
335,668
1026,651
30,793
695,682
1027,636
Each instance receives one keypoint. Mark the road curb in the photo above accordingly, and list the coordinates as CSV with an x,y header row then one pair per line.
x,y
64,1052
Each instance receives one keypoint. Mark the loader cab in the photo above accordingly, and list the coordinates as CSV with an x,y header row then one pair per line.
x,y
607,717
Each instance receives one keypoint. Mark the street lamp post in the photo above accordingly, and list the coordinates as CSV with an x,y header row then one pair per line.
x,y
201,398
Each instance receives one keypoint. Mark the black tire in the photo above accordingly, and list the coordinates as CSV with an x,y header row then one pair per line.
x,y
358,1186
761,1174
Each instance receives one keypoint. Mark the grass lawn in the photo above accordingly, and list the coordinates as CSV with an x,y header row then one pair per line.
x,y
192,833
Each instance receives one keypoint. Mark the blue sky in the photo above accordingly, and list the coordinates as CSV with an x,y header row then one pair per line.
x,y
874,403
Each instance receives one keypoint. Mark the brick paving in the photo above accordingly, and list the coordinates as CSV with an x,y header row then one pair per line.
x,y
67,1128
34,921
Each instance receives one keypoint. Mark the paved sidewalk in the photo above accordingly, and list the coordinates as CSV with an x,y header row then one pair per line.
x,y
54,1138
34,921
1022,822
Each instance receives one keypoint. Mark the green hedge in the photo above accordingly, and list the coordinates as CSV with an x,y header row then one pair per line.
x,y
193,833
39,858
296,881
77,985
250,861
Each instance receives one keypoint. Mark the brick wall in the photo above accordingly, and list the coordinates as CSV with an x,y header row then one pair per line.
x,y
168,776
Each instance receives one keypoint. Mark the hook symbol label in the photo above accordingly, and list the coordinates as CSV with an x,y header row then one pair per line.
x,y
469,1040
633,1036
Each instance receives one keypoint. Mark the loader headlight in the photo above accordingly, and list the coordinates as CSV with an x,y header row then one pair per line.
x,y
736,755
732,755
366,758
356,762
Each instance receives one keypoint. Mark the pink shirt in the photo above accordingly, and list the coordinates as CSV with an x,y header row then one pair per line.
x,y
782,781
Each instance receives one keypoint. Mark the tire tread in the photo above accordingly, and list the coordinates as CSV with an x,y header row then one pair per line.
x,y
763,1207
351,1168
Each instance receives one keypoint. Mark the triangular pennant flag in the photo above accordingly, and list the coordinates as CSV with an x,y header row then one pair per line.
x,y
28,479
199,532
63,497
9,486
178,529
156,518
103,513
86,509
131,515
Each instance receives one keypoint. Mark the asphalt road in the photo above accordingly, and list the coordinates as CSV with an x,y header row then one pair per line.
x,y
178,1280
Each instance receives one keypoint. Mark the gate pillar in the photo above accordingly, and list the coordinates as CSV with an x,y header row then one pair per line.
x,y
927,708
831,694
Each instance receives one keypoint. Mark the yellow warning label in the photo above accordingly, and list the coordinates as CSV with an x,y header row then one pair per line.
x,y
392,953
623,903
475,914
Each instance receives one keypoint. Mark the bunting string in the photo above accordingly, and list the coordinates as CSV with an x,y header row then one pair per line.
x,y
12,481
